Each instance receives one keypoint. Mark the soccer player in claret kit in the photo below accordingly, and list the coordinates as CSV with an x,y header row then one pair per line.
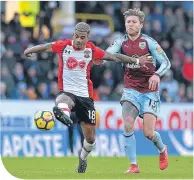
x,y
140,95
76,57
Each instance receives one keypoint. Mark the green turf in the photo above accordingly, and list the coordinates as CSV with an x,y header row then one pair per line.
x,y
98,168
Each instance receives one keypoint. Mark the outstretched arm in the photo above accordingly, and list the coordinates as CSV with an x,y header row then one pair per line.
x,y
116,48
119,58
160,56
39,48
127,59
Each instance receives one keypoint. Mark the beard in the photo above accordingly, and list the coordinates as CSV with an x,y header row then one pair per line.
x,y
77,45
133,32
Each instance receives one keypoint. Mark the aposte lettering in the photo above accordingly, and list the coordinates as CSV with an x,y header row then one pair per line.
x,y
29,145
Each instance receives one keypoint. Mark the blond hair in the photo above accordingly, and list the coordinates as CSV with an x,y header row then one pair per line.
x,y
82,27
135,12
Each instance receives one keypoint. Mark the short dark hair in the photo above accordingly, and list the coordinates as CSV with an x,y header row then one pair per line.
x,y
82,27
135,12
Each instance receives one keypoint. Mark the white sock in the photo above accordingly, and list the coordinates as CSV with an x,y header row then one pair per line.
x,y
65,108
86,149
134,163
162,150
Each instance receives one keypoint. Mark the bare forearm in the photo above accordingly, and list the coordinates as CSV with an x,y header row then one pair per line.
x,y
125,59
119,58
40,48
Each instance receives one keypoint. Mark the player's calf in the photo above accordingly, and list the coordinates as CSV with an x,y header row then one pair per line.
x,y
86,149
83,154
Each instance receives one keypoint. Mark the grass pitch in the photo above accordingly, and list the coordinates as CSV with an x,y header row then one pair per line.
x,y
98,168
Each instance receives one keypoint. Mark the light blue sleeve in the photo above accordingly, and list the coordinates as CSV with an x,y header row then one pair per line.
x,y
115,47
159,55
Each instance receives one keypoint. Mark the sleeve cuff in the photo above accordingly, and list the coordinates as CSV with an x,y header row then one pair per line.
x,y
157,74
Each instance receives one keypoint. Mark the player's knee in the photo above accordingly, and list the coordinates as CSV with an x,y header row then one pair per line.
x,y
128,124
90,139
63,98
128,128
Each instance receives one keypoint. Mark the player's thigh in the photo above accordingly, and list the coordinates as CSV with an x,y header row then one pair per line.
x,y
86,114
132,97
85,111
130,108
129,112
64,97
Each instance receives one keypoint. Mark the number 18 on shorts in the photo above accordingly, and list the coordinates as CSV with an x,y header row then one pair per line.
x,y
92,116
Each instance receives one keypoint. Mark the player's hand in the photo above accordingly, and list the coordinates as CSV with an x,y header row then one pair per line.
x,y
145,59
154,82
28,54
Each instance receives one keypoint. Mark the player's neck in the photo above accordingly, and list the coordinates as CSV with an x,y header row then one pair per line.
x,y
133,38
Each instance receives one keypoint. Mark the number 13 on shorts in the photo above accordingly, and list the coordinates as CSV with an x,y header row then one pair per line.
x,y
92,115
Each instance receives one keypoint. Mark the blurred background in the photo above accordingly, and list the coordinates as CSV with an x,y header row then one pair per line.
x,y
25,24
32,23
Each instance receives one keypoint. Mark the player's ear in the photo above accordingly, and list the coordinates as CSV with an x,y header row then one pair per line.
x,y
88,35
141,25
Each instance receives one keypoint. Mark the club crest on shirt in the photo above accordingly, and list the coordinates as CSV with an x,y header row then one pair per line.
x,y
142,45
87,53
